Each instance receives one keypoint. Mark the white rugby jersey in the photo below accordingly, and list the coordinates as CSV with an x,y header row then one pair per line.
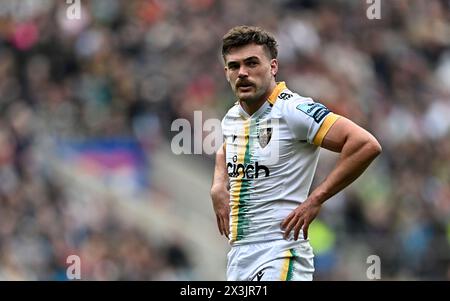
x,y
271,158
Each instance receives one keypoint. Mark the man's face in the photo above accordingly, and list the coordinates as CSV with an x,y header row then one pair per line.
x,y
250,71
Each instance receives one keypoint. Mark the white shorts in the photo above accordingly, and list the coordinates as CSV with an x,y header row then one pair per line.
x,y
278,260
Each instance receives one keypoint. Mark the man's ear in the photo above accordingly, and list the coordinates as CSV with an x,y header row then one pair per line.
x,y
274,67
226,73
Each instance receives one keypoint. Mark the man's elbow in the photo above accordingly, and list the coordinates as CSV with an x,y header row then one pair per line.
x,y
373,148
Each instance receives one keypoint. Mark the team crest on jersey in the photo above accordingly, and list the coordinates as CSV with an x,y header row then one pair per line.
x,y
264,136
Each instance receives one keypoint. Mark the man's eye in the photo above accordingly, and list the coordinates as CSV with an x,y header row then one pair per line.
x,y
252,64
233,67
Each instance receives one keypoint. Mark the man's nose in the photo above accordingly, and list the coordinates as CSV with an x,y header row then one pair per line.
x,y
243,72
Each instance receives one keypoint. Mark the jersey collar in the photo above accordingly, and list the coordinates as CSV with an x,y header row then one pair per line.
x,y
256,114
273,97
271,100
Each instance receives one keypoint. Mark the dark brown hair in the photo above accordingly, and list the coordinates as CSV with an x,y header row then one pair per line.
x,y
243,35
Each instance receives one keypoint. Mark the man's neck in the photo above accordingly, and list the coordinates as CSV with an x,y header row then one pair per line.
x,y
254,106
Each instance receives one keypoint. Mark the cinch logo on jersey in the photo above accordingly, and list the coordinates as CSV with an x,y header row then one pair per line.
x,y
248,171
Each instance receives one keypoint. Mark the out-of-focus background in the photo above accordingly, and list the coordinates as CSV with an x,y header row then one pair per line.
x,y
86,107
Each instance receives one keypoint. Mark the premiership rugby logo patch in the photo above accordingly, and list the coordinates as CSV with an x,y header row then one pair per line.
x,y
315,110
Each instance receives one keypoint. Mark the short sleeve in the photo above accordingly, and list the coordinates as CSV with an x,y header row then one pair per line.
x,y
308,120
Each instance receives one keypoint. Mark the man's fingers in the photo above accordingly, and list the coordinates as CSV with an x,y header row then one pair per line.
x,y
298,226
223,224
289,227
305,230
219,224
227,226
287,220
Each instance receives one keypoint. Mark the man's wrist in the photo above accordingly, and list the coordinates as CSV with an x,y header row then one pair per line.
x,y
318,197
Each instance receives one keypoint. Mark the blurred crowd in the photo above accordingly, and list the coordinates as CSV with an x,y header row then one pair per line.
x,y
129,68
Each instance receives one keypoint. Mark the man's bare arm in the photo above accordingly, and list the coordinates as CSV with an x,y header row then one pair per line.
x,y
358,148
219,193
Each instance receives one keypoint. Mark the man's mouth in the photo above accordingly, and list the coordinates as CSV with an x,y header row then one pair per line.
x,y
245,86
